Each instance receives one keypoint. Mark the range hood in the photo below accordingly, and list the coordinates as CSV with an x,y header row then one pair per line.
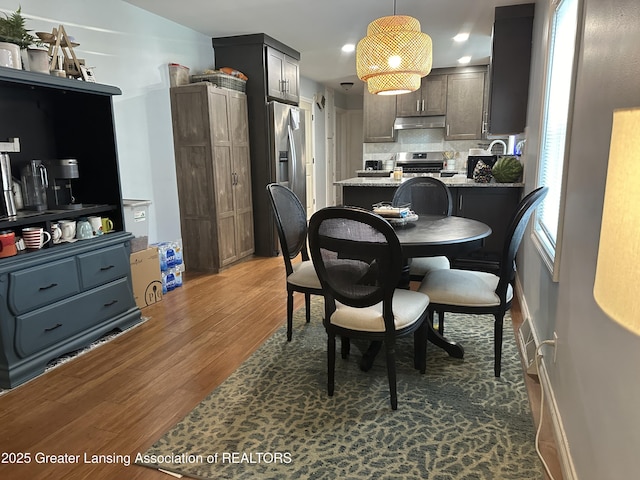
x,y
406,123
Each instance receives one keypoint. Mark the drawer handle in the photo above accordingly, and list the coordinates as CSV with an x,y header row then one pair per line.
x,y
112,302
109,267
48,286
57,325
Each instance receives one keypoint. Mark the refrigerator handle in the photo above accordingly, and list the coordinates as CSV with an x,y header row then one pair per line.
x,y
294,156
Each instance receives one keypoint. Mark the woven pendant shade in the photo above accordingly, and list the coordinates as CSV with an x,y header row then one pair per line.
x,y
394,55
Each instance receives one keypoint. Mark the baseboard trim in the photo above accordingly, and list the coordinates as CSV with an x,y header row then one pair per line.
x,y
564,452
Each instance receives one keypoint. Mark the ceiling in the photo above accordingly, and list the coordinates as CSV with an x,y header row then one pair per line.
x,y
318,29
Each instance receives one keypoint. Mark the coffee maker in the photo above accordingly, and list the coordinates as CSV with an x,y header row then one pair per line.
x,y
7,205
60,194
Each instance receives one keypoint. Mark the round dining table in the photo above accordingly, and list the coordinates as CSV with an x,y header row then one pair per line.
x,y
433,235
429,236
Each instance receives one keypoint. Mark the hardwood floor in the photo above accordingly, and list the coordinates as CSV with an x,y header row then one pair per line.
x,y
118,399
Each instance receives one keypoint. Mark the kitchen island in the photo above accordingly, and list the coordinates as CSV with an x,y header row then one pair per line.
x,y
491,203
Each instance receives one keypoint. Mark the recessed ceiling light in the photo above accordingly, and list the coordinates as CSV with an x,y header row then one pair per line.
x,y
465,59
461,37
349,47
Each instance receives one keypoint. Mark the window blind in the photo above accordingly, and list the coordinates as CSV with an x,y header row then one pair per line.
x,y
558,92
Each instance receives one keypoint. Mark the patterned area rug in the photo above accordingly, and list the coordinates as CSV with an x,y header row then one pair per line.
x,y
272,418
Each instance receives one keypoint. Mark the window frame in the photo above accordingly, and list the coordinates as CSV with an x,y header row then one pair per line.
x,y
550,252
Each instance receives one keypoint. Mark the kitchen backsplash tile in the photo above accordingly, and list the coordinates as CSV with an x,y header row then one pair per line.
x,y
420,140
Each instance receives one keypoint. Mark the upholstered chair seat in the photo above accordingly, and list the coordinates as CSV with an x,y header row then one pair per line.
x,y
463,288
472,292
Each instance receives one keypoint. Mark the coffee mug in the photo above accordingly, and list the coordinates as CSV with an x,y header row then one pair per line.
x,y
7,244
84,230
107,225
34,237
96,225
56,233
68,228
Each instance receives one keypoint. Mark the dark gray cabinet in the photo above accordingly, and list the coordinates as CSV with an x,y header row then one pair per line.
x,y
250,54
491,205
429,99
379,113
459,93
62,299
283,77
510,69
465,106
64,296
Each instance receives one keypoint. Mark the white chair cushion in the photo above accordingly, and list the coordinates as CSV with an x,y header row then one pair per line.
x,y
423,265
465,288
304,275
408,306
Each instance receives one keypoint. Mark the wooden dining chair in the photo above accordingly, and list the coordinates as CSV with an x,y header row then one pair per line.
x,y
425,195
359,261
291,223
474,292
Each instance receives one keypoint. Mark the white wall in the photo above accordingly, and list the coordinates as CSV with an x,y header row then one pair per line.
x,y
595,377
130,49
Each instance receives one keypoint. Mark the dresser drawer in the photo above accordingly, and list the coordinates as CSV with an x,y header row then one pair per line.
x,y
34,287
57,322
102,266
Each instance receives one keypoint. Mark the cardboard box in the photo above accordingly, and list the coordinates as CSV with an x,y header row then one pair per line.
x,y
147,281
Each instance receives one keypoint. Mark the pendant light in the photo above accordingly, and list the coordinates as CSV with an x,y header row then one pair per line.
x,y
394,55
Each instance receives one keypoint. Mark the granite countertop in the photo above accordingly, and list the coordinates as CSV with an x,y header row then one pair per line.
x,y
456,181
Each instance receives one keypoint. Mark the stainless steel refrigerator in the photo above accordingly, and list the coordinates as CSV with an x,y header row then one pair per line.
x,y
286,144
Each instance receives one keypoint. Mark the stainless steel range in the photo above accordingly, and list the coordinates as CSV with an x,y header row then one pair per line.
x,y
420,162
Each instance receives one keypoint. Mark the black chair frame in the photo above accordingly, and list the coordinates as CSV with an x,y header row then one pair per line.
x,y
292,234
391,261
507,273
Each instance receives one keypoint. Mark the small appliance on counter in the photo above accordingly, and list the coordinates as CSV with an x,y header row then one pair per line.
x,y
373,164
8,207
60,191
34,186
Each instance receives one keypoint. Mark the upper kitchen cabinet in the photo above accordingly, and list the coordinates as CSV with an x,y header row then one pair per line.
x,y
272,66
283,77
457,92
379,112
510,66
429,99
465,105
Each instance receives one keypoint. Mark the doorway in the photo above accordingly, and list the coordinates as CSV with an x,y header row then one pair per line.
x,y
307,108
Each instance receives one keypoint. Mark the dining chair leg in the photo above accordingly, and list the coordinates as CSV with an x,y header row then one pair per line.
x,y
345,347
289,315
497,339
331,362
420,348
390,348
307,306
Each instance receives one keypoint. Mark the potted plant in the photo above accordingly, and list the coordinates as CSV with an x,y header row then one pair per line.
x,y
13,37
